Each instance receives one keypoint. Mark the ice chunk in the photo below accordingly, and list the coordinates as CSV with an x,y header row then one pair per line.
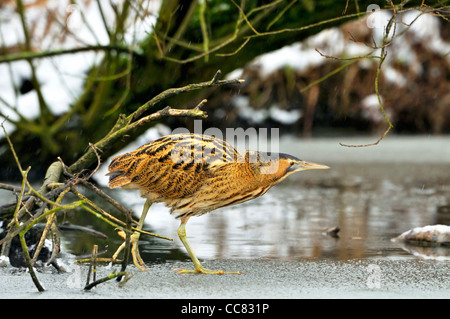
x,y
438,234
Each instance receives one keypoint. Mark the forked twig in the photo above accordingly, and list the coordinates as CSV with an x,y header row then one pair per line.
x,y
386,42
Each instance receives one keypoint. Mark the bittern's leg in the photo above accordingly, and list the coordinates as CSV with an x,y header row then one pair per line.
x,y
198,266
134,240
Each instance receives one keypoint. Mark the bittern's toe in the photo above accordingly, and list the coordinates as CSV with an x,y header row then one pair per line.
x,y
137,260
134,240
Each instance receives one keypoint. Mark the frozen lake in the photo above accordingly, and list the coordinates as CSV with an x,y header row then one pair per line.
x,y
372,194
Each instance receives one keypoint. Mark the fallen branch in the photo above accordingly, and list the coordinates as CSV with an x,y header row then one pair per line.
x,y
32,206
93,269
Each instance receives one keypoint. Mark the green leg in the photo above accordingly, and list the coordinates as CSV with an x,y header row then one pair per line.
x,y
198,266
134,239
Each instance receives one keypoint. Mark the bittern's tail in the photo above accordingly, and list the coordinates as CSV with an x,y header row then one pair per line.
x,y
117,179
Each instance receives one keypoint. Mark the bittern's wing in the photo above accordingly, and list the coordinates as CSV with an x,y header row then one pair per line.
x,y
172,166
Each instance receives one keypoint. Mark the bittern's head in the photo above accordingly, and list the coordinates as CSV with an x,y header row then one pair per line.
x,y
280,165
292,164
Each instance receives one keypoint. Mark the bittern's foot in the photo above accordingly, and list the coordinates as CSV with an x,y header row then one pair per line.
x,y
202,270
134,239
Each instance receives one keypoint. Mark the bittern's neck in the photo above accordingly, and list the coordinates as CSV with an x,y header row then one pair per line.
x,y
267,173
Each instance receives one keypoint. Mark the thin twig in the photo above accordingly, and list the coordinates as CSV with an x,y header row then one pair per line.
x,y
306,27
15,219
48,54
56,244
50,225
358,57
369,144
92,265
28,261
204,28
390,125
100,260
26,225
346,6
235,51
326,76
11,188
40,244
108,278
175,91
108,198
126,258
280,14
117,222
386,42
241,11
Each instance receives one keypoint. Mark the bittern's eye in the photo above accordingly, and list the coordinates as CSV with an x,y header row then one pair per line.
x,y
292,163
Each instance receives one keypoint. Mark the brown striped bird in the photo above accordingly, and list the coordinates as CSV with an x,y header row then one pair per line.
x,y
194,174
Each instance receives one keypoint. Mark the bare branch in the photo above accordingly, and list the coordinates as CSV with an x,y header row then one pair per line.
x,y
126,124
47,54
369,144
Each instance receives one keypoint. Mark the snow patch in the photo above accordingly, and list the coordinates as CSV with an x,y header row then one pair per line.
x,y
284,116
245,111
439,234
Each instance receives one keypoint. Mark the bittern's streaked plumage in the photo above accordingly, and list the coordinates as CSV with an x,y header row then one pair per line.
x,y
194,174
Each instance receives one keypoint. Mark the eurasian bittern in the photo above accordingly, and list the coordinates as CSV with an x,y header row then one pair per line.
x,y
194,174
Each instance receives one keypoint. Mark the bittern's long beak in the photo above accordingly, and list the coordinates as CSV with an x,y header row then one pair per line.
x,y
311,165
303,166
